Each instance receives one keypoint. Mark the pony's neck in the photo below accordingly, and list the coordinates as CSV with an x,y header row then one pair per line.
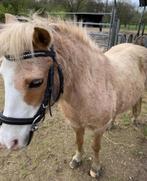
x,y
76,53
80,61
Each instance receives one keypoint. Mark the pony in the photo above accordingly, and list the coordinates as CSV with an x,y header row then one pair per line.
x,y
97,86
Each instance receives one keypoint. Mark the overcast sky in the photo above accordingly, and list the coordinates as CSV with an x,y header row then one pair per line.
x,y
136,2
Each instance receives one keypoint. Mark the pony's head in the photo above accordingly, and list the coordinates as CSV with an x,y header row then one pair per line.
x,y
25,66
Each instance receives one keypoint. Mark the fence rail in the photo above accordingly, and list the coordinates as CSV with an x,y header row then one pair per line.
x,y
73,13
107,40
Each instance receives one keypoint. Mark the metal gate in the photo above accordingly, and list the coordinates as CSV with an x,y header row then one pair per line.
x,y
103,39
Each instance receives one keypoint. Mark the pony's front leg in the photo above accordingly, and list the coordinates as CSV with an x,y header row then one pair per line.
x,y
96,168
77,158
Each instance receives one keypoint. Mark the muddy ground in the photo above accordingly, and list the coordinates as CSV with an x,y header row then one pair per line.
x,y
123,153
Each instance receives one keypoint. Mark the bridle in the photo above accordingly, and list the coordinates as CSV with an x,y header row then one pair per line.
x,y
46,102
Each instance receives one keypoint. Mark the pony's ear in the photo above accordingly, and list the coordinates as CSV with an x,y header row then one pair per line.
x,y
41,38
9,18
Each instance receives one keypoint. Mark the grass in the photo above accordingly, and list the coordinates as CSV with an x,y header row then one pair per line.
x,y
131,28
145,130
126,119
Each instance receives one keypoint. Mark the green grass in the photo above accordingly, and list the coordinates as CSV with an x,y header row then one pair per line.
x,y
126,119
145,130
131,28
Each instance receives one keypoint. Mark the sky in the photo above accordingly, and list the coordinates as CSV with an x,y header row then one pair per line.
x,y
136,2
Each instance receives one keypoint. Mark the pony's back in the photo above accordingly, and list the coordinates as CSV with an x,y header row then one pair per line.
x,y
129,64
129,52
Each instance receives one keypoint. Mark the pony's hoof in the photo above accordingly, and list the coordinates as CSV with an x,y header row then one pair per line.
x,y
95,173
138,122
111,127
74,164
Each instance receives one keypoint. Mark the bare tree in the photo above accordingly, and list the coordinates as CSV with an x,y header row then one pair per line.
x,y
125,11
74,5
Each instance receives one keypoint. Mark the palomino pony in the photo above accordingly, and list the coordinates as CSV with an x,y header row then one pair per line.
x,y
37,54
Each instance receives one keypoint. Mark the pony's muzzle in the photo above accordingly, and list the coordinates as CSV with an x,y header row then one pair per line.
x,y
14,145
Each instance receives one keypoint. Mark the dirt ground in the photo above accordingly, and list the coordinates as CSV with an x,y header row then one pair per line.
x,y
123,153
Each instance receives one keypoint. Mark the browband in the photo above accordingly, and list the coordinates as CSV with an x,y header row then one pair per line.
x,y
37,53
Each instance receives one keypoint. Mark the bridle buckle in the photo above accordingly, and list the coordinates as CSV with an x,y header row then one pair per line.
x,y
44,106
34,127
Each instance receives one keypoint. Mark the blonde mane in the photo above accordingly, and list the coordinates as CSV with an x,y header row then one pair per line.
x,y
78,32
16,37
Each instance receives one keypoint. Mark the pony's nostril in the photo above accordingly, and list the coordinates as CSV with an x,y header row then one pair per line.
x,y
14,143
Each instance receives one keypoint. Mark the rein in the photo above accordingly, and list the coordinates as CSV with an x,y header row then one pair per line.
x,y
46,102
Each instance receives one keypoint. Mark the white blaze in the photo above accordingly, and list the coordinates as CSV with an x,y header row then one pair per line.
x,y
14,107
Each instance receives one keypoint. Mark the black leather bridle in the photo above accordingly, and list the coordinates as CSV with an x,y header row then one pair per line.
x,y
46,102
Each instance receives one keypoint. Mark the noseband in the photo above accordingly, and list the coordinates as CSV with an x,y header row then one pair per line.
x,y
46,102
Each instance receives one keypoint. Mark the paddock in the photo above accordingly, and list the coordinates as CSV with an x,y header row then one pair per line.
x,y
123,154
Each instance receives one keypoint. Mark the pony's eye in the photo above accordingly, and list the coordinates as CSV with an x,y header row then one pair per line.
x,y
35,83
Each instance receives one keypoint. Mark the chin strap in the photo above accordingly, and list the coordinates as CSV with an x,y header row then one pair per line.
x,y
46,102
